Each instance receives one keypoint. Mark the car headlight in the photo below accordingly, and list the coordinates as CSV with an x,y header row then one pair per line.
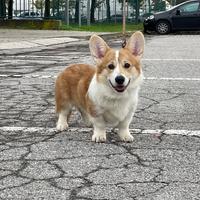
x,y
151,17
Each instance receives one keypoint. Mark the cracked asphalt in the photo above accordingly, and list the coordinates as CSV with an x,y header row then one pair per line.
x,y
163,162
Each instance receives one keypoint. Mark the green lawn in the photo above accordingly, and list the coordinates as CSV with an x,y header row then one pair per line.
x,y
53,24
103,27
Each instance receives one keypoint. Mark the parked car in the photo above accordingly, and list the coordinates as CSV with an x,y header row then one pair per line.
x,y
28,15
185,16
60,15
144,16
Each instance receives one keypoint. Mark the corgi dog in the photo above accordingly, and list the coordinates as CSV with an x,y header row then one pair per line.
x,y
106,94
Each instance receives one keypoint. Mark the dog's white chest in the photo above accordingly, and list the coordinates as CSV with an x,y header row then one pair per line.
x,y
115,114
115,111
113,107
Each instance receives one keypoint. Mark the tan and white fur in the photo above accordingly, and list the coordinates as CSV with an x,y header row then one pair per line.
x,y
107,94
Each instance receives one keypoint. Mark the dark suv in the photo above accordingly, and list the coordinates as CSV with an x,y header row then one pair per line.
x,y
185,16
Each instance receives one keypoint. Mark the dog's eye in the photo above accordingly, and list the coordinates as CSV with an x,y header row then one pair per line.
x,y
127,65
111,66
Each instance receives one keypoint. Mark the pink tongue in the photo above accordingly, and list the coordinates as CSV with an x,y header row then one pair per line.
x,y
120,88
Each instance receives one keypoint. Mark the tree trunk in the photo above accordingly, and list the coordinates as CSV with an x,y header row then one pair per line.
x,y
2,9
93,5
108,10
47,9
10,9
77,11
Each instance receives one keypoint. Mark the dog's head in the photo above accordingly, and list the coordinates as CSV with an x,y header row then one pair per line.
x,y
118,68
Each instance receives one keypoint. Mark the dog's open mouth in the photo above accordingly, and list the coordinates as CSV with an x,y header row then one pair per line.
x,y
119,88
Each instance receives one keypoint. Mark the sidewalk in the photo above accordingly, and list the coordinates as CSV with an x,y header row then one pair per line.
x,y
12,39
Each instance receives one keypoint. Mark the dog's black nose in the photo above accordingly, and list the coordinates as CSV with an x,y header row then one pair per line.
x,y
119,79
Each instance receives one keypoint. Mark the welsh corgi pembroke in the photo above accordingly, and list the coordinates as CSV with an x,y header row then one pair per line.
x,y
106,94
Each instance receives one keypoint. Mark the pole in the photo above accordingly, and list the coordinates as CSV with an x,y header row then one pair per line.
x,y
88,12
102,11
67,12
79,13
124,18
149,6
115,12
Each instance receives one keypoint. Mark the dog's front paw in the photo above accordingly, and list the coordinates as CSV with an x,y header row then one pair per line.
x,y
61,126
99,137
126,137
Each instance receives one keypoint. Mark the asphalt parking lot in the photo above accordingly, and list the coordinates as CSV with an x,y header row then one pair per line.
x,y
163,162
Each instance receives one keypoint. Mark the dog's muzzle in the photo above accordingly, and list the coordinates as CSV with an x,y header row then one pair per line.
x,y
119,87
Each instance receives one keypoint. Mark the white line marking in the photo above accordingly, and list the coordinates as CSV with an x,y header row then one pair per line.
x,y
26,129
145,59
171,59
39,129
54,76
172,79
77,129
3,75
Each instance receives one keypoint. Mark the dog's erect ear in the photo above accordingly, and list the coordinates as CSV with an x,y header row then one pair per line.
x,y
136,44
98,47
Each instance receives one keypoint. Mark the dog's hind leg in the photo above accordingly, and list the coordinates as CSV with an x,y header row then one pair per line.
x,y
63,103
63,117
63,109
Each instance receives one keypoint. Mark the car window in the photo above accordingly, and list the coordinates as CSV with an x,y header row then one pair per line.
x,y
190,7
26,14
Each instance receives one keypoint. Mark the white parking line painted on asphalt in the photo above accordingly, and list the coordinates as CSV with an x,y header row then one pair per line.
x,y
53,76
78,129
64,57
27,129
38,129
3,75
172,79
171,59
182,132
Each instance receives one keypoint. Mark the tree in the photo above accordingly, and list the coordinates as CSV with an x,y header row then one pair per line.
x,y
2,9
39,4
135,4
47,9
57,3
108,10
10,9
93,6
76,11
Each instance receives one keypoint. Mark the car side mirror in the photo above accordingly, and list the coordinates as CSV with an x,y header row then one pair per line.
x,y
178,12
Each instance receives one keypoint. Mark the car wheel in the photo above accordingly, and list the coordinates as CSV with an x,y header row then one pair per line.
x,y
163,27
